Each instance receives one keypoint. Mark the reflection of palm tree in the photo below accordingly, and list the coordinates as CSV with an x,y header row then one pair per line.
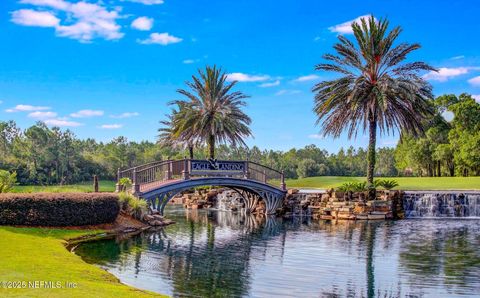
x,y
370,268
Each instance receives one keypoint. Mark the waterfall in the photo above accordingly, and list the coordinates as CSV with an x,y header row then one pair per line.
x,y
229,201
441,204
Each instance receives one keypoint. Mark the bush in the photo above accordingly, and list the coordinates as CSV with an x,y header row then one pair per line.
x,y
134,206
353,187
7,181
387,184
58,209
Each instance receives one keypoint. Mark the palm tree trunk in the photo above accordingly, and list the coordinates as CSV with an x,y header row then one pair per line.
x,y
371,150
371,157
190,151
211,146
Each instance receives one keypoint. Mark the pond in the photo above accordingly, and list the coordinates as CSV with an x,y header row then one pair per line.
x,y
211,253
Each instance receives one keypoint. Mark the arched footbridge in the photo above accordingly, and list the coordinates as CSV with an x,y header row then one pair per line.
x,y
158,182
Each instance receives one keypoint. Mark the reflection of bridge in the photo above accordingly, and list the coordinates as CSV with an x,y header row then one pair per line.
x,y
158,182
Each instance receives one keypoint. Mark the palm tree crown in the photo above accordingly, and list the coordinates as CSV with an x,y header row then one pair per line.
x,y
212,113
376,88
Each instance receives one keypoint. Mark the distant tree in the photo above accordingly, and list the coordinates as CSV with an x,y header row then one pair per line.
x,y
376,90
307,168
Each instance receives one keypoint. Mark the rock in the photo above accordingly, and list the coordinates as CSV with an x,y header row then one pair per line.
x,y
292,191
157,217
148,217
376,216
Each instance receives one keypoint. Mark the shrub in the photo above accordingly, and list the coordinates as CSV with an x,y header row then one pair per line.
x,y
58,209
7,181
134,206
387,184
353,187
126,183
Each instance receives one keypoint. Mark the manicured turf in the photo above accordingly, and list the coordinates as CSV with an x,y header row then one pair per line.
x,y
405,183
104,185
38,254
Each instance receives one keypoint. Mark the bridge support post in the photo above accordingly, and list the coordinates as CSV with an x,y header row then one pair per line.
x,y
185,172
168,172
283,186
118,187
135,185
246,173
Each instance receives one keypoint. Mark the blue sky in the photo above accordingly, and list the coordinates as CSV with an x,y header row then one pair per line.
x,y
108,68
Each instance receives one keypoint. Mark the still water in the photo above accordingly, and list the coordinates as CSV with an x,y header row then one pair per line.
x,y
218,254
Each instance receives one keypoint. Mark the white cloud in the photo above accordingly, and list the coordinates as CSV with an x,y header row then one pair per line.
x,y
87,113
42,115
62,123
270,84
311,77
475,81
28,17
188,61
346,28
445,73
242,77
161,38
476,97
26,108
147,2
125,115
142,23
316,136
457,57
111,126
57,4
287,92
82,20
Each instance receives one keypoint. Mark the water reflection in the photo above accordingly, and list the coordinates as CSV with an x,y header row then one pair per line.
x,y
217,254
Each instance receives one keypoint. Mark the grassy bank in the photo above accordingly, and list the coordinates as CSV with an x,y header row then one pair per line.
x,y
104,185
405,183
38,254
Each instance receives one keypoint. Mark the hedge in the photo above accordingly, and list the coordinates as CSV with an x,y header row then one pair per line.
x,y
58,209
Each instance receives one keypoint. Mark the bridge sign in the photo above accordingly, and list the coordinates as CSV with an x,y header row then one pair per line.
x,y
216,167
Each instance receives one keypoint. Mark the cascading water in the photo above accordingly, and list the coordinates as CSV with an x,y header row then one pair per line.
x,y
441,204
229,201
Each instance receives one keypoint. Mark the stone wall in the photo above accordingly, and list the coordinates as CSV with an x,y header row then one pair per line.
x,y
335,205
321,205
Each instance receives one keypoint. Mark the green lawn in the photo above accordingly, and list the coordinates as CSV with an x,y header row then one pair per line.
x,y
405,183
39,254
104,185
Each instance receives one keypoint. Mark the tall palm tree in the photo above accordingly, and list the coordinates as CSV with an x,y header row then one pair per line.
x,y
376,89
212,113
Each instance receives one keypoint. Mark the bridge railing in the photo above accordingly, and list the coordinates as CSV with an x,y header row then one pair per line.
x,y
158,172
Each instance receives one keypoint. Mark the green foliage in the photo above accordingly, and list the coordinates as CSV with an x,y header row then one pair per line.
x,y
307,168
7,181
126,183
386,183
58,209
448,148
132,205
353,187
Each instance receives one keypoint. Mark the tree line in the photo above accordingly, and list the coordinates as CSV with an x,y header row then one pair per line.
x,y
43,155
